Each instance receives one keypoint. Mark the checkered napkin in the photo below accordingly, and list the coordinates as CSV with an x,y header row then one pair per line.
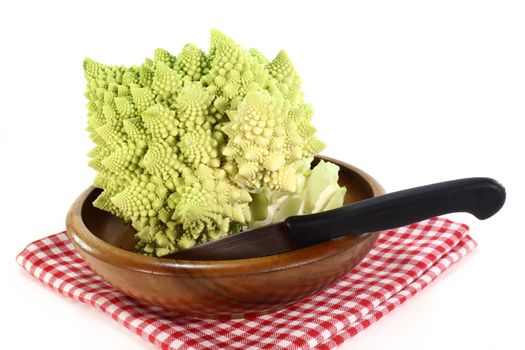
x,y
402,262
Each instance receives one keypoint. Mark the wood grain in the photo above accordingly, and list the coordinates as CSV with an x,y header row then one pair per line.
x,y
217,289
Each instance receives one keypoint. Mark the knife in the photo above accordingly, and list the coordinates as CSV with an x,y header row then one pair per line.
x,y
479,196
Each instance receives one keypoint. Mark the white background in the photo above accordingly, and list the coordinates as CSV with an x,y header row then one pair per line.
x,y
413,92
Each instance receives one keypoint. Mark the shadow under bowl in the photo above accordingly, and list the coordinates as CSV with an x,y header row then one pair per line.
x,y
217,289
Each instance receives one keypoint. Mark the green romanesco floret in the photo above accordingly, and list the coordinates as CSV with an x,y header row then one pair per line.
x,y
194,147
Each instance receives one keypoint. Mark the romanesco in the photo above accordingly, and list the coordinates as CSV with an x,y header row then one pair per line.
x,y
193,148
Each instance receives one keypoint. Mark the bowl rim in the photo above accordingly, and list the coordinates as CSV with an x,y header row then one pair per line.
x,y
87,243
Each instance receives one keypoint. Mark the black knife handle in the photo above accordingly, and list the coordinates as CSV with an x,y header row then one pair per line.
x,y
482,197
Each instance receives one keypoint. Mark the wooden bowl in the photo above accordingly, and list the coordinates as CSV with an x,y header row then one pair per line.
x,y
217,289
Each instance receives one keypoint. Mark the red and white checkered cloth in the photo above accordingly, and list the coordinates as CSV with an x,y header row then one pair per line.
x,y
402,262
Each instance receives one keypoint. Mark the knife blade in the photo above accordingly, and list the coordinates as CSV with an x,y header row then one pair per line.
x,y
262,241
